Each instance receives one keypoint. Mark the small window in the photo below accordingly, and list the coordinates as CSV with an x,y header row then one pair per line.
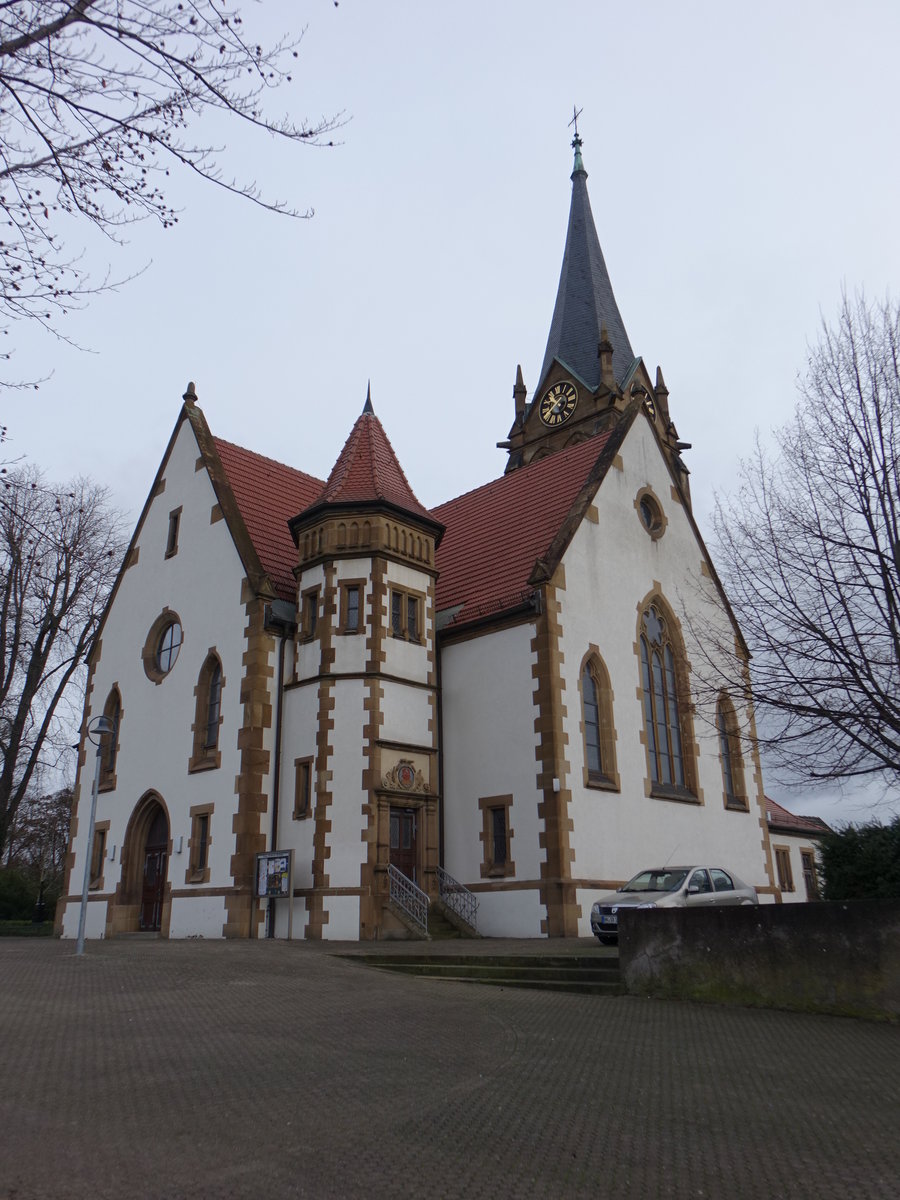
x,y
406,615
499,848
722,882
351,617
310,613
810,874
201,827
352,622
496,837
730,754
213,708
109,741
783,867
597,724
302,788
168,647
172,535
98,853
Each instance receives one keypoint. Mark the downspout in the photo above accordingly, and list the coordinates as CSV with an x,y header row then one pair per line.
x,y
280,619
440,748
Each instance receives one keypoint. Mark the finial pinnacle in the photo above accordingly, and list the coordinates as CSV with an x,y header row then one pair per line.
x,y
367,407
190,395
576,140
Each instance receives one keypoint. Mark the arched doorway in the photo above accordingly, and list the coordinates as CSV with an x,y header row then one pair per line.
x,y
142,899
156,854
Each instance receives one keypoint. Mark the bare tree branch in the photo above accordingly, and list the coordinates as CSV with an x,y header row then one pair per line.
x,y
98,99
809,550
60,551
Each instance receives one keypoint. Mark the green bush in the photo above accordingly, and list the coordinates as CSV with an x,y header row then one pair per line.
x,y
862,862
18,894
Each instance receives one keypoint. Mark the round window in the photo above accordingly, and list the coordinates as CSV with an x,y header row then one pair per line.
x,y
651,514
162,646
169,645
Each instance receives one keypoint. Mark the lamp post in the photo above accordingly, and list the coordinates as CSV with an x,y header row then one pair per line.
x,y
95,732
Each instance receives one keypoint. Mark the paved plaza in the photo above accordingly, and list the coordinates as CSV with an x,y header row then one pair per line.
x,y
154,1069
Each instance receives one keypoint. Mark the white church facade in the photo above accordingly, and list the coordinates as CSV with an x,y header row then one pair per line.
x,y
497,698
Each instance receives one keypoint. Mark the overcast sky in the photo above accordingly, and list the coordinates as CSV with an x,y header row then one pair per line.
x,y
743,168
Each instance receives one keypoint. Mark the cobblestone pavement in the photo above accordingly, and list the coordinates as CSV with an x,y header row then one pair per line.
x,y
154,1069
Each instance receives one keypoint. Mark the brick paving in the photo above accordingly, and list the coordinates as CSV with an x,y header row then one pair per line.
x,y
153,1069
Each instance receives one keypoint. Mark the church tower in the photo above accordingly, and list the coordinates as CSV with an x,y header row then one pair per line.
x,y
590,373
366,684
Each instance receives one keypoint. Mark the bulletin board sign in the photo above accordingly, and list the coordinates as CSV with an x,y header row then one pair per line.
x,y
274,874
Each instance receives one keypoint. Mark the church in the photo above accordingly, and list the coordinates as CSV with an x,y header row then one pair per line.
x,y
334,713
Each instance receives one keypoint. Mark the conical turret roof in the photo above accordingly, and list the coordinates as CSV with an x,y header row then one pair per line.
x,y
368,470
584,300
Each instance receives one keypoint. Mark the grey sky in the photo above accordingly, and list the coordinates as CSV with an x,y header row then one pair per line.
x,y
742,167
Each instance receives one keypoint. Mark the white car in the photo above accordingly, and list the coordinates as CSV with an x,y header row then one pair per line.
x,y
669,887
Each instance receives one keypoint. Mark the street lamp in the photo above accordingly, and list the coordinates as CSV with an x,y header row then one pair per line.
x,y
95,732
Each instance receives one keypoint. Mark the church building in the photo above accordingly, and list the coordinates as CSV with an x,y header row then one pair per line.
x,y
333,713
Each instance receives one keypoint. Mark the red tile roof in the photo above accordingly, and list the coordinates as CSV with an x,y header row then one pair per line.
x,y
268,494
787,821
495,534
367,469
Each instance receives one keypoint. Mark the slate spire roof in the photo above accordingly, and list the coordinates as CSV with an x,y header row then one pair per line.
x,y
584,300
367,470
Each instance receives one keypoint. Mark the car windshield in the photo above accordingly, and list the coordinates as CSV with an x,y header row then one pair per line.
x,y
657,881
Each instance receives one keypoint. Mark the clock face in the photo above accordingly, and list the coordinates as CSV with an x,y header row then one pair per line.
x,y
650,407
558,403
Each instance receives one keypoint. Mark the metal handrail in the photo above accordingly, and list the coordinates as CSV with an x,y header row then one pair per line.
x,y
457,897
409,897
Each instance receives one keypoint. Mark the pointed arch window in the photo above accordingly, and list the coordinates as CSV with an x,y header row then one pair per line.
x,y
597,724
109,741
208,715
666,721
730,754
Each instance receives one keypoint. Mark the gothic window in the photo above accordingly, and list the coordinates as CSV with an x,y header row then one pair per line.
x,y
597,724
665,706
730,754
109,741
208,715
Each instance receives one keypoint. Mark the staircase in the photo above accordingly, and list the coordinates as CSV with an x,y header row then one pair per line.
x,y
588,974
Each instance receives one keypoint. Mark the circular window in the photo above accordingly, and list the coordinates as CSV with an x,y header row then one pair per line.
x,y
651,514
169,645
162,646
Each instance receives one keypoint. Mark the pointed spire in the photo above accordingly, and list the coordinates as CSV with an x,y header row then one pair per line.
x,y
584,300
519,394
367,407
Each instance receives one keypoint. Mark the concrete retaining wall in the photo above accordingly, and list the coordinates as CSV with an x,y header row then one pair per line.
x,y
830,958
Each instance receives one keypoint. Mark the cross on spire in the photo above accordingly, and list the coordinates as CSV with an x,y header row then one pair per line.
x,y
576,113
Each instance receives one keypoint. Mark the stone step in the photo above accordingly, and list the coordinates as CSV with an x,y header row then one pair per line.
x,y
569,973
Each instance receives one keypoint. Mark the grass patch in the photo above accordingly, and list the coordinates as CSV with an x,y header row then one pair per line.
x,y
26,929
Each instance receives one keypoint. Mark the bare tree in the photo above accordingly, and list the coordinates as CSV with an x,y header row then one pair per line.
x,y
60,550
97,103
809,550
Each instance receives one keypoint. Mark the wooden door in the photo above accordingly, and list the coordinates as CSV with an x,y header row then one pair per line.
x,y
404,854
154,884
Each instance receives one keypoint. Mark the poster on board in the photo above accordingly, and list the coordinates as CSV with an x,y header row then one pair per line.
x,y
273,874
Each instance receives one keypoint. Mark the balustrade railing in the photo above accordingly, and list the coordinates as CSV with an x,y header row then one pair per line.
x,y
457,897
409,897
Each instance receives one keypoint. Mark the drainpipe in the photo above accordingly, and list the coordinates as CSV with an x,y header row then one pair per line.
x,y
281,619
440,748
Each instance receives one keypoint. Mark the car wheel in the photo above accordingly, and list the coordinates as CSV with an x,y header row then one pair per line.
x,y
605,940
